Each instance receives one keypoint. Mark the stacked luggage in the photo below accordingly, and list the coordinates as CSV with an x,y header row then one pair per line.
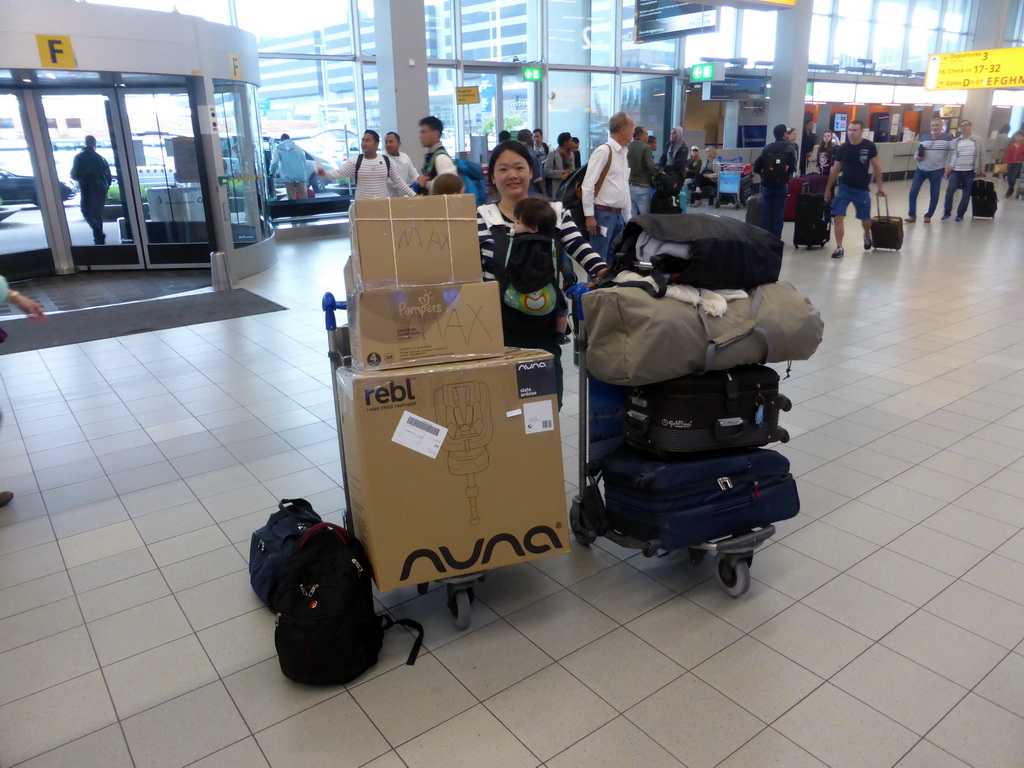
x,y
735,183
689,468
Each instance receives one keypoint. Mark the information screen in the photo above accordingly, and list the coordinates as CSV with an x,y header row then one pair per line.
x,y
665,19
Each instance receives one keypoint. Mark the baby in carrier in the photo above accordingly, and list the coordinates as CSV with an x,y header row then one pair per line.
x,y
533,247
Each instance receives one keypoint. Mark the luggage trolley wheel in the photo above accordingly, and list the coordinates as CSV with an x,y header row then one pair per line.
x,y
733,572
460,599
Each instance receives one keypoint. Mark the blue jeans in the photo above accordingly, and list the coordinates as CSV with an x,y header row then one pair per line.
x,y
935,181
641,197
773,208
614,223
959,180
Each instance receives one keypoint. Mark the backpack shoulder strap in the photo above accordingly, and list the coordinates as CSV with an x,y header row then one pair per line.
x,y
387,162
386,622
355,176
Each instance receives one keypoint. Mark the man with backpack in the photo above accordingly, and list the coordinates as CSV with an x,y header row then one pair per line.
x,y
371,171
775,165
437,160
393,149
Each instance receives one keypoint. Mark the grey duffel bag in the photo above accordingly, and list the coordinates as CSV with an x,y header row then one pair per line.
x,y
637,339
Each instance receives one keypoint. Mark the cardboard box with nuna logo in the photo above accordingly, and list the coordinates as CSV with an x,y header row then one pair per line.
x,y
452,448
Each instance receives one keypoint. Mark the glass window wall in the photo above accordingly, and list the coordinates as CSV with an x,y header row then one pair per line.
x,y
211,10
21,222
720,44
580,32
580,103
658,54
500,30
304,26
757,41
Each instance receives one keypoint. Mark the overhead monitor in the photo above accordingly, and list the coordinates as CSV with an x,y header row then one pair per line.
x,y
737,89
835,93
666,19
872,93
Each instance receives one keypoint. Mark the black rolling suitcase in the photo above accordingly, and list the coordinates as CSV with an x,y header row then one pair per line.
x,y
753,216
738,408
984,199
887,231
689,500
813,225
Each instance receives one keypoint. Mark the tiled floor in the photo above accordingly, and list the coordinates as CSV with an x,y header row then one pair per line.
x,y
884,625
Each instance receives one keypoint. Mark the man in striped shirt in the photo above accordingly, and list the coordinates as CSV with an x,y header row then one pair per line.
x,y
371,170
931,162
966,159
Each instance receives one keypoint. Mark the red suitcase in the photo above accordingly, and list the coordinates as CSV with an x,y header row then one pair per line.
x,y
796,187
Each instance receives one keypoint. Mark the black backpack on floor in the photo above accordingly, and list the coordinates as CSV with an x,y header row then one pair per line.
x,y
327,630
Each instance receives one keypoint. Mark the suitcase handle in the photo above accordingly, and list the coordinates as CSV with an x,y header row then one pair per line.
x,y
637,423
727,430
878,205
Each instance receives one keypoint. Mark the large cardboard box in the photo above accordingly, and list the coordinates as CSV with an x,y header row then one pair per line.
x,y
455,468
401,241
417,325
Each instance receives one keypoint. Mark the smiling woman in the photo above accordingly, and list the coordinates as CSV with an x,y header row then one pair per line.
x,y
510,171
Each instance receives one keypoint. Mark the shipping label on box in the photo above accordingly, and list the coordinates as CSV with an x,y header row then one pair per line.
x,y
416,325
455,468
405,241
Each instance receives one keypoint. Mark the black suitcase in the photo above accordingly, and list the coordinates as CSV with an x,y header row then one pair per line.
x,y
984,200
687,501
813,225
887,231
738,408
753,216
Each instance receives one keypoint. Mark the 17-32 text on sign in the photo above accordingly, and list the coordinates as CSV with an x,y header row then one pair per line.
x,y
997,68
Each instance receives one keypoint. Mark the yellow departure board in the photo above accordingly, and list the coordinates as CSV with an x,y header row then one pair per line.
x,y
997,68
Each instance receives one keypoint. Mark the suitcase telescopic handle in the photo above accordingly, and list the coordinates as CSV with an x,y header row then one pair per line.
x,y
878,204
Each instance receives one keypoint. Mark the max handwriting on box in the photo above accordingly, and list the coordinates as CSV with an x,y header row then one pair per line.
x,y
413,236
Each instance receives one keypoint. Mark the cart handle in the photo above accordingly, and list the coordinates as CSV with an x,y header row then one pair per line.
x,y
329,304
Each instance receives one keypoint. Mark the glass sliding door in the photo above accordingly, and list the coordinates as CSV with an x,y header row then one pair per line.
x,y
167,170
98,217
24,251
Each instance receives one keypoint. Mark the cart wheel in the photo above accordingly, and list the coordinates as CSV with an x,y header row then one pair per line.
x,y
461,611
718,202
422,588
697,556
733,575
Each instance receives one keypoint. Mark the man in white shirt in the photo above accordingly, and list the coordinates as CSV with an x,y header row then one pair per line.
x,y
371,171
966,160
606,201
398,158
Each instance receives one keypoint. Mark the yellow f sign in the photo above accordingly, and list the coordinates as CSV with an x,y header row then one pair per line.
x,y
234,66
55,52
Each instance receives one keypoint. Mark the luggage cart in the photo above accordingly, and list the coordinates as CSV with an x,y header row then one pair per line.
x,y
459,588
602,415
730,183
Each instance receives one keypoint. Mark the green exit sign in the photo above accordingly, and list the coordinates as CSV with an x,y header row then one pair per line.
x,y
702,73
533,74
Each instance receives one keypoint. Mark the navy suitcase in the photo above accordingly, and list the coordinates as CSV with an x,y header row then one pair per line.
x,y
984,200
813,225
682,502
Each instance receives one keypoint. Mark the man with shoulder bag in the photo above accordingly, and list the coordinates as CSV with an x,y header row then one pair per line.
x,y
606,201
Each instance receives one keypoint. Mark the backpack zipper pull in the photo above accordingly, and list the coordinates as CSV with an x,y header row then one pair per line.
x,y
757,491
277,619
359,568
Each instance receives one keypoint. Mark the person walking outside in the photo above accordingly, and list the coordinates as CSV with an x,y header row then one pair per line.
x,y
401,161
851,169
437,160
92,172
289,164
807,142
774,165
560,163
1014,158
965,161
642,171
606,202
30,308
931,162
371,170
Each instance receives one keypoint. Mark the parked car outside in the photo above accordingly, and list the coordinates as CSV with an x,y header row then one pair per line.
x,y
22,189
